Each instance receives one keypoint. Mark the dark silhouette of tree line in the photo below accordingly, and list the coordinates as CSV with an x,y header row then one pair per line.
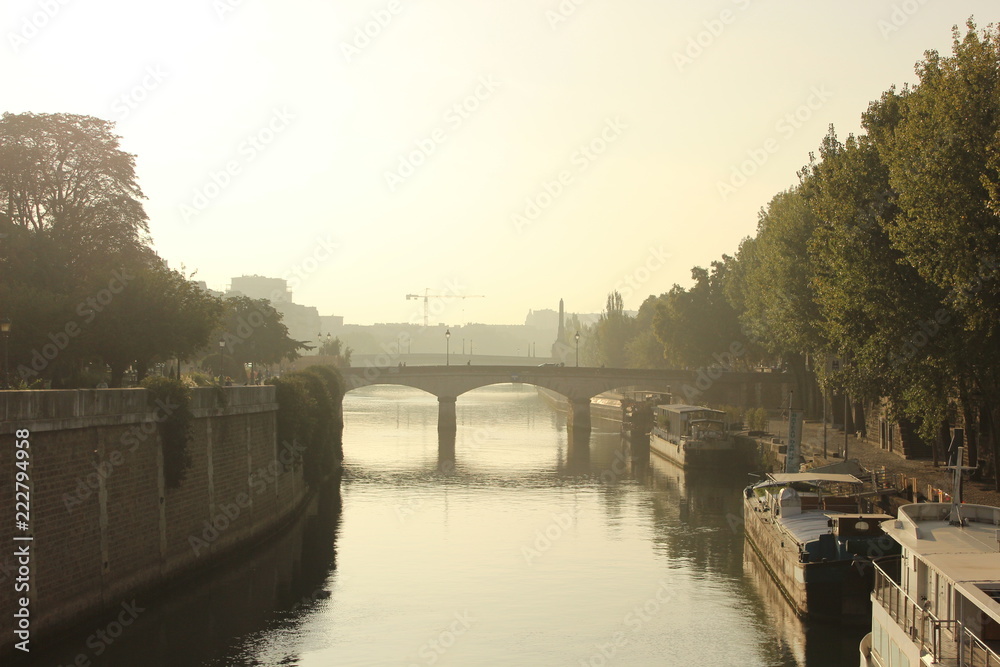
x,y
87,297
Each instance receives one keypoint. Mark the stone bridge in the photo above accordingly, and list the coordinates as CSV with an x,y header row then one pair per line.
x,y
578,385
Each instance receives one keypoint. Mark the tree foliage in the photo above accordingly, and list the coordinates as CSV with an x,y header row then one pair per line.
x,y
78,279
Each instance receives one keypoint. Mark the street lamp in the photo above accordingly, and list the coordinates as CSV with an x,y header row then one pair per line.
x,y
222,361
5,330
447,347
577,337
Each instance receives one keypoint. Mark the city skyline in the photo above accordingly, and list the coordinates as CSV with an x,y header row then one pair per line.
x,y
378,149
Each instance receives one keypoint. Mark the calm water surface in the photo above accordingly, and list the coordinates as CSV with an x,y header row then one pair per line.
x,y
524,548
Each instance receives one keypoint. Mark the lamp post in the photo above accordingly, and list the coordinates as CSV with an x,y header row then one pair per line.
x,y
5,330
577,337
222,361
447,347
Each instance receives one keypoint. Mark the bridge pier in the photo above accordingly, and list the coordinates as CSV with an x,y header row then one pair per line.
x,y
579,414
446,452
447,421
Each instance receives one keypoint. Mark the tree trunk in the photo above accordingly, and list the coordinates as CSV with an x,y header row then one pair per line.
x,y
861,425
971,420
141,370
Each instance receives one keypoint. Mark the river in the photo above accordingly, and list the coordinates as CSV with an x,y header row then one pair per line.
x,y
525,548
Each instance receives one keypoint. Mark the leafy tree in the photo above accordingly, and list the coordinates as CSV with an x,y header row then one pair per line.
x,y
645,350
253,333
876,310
157,315
943,161
76,273
771,282
612,333
698,326
336,348
65,174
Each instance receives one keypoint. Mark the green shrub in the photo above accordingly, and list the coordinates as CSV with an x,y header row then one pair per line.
x,y
336,387
309,415
757,419
171,400
198,379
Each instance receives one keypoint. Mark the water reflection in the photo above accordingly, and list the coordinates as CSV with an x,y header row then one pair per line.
x,y
577,452
808,643
270,590
552,542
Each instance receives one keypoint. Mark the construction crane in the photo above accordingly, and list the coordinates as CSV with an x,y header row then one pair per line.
x,y
427,295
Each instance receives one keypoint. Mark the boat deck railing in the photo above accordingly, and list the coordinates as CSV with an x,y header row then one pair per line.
x,y
948,640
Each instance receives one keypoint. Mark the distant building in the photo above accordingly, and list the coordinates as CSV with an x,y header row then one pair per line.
x,y
260,287
303,322
331,323
543,320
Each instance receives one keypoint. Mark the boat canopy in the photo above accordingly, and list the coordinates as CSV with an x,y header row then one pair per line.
x,y
789,477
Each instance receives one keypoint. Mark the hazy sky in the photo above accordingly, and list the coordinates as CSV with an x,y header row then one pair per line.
x,y
524,150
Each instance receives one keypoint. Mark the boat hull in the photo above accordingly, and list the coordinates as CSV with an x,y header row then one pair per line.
x,y
728,455
837,591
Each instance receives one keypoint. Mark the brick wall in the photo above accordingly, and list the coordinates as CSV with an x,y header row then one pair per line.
x,y
103,521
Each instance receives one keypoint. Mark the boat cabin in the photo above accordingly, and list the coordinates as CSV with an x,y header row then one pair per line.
x,y
679,422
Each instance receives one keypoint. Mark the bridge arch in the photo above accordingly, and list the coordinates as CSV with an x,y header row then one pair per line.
x,y
578,385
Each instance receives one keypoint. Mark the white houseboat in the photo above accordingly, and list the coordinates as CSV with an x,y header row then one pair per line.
x,y
694,436
938,603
